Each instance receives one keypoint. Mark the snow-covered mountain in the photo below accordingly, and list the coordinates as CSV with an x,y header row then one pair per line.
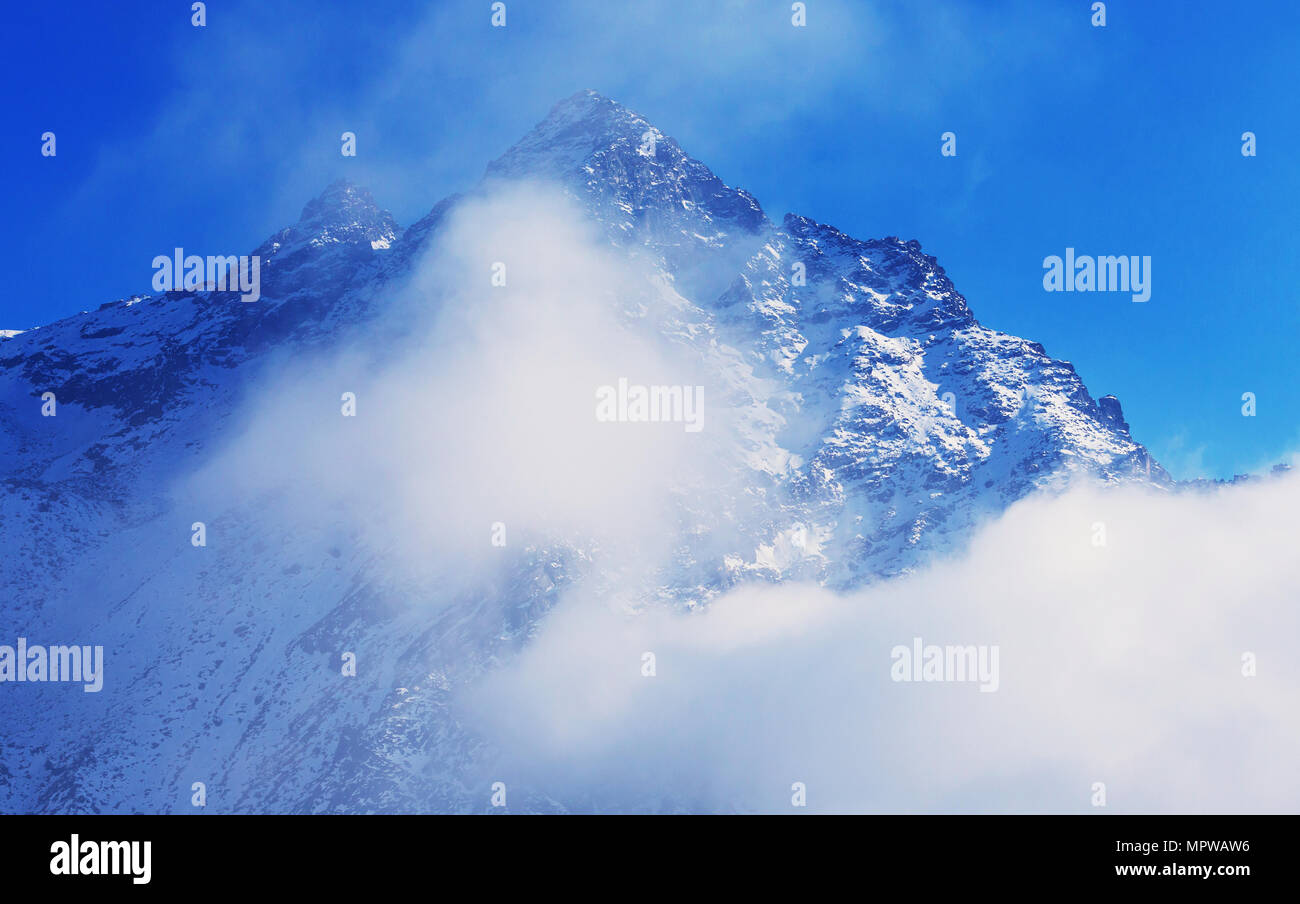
x,y
871,423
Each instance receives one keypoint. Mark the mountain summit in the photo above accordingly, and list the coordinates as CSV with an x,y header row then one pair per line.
x,y
342,214
633,172
872,423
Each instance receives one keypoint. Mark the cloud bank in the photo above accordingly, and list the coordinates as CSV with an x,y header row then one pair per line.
x,y
476,396
1121,664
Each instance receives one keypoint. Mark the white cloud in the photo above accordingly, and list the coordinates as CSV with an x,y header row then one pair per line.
x,y
1119,664
477,403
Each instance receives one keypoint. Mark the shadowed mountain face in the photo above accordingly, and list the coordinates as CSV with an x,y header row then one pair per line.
x,y
866,422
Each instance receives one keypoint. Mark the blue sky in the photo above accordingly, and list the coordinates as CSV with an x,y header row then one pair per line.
x,y
1117,140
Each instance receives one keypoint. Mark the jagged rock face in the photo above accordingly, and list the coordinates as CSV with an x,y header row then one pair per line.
x,y
640,180
876,423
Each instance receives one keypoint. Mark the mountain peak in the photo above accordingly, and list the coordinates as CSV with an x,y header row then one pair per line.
x,y
343,204
635,177
576,128
343,214
596,113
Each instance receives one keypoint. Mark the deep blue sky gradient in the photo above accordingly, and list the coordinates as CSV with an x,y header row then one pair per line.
x,y
1115,140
